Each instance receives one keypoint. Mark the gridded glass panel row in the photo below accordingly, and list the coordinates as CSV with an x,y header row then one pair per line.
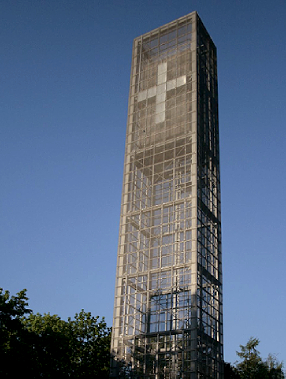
x,y
171,71
178,278
207,72
165,356
208,187
135,314
208,61
176,124
209,308
133,311
208,234
207,127
142,226
135,262
166,343
209,367
208,244
208,237
209,199
174,101
178,169
153,133
164,220
170,311
166,181
206,219
163,151
158,257
165,42
161,133
167,35
210,325
208,260
167,242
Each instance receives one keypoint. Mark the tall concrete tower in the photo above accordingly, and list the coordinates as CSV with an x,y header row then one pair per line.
x,y
168,296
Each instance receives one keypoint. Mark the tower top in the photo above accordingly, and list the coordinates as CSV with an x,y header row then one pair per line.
x,y
190,16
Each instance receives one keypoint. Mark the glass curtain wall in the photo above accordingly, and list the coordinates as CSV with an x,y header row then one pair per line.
x,y
167,314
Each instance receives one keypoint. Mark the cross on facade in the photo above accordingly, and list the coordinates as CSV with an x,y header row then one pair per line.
x,y
160,91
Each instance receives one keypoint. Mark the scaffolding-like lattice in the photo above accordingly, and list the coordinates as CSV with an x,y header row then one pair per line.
x,y
168,297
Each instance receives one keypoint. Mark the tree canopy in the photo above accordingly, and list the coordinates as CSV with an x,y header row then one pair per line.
x,y
47,346
252,366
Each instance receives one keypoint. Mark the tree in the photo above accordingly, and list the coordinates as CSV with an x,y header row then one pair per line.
x,y
253,367
91,345
11,311
51,345
275,368
15,347
77,348
48,347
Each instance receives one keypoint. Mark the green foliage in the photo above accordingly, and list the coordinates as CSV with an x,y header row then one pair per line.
x,y
47,346
92,344
14,339
275,368
252,366
11,311
13,307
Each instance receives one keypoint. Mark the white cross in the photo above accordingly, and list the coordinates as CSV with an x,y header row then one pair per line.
x,y
160,91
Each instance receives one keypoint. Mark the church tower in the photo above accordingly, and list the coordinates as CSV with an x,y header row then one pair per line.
x,y
168,297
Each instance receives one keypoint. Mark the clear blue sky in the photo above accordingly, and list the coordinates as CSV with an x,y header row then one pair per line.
x,y
65,68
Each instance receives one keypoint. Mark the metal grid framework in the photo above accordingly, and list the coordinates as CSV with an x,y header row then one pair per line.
x,y
168,298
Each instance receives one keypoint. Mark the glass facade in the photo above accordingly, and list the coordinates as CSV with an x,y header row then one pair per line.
x,y
168,297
